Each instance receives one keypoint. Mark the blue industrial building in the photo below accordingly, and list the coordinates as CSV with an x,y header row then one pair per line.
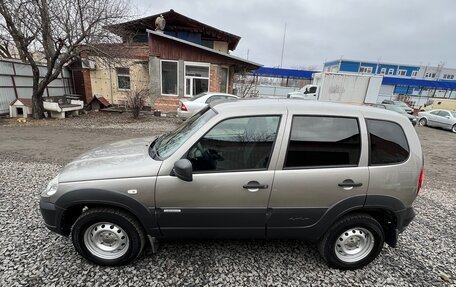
x,y
378,68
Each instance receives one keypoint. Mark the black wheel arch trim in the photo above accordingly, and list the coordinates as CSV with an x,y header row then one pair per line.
x,y
359,203
108,199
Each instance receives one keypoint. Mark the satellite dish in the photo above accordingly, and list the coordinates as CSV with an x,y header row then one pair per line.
x,y
160,23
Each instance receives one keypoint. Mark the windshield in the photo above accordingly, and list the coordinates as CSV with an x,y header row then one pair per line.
x,y
395,109
167,144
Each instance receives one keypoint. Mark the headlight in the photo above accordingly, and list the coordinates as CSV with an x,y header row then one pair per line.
x,y
51,188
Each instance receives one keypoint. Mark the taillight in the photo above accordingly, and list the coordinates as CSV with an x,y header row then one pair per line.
x,y
183,107
420,181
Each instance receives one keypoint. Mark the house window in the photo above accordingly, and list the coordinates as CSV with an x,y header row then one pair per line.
x,y
383,71
224,80
402,72
123,78
414,73
196,78
391,72
448,77
169,82
429,75
367,70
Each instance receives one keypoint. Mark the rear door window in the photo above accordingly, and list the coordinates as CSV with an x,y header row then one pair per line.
x,y
318,141
388,144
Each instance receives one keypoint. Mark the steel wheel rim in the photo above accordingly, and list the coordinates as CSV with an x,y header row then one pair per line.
x,y
354,244
422,122
106,240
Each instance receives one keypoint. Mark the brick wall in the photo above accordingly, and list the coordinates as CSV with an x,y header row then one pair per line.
x,y
166,103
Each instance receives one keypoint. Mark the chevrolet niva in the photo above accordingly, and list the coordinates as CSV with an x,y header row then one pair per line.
x,y
341,175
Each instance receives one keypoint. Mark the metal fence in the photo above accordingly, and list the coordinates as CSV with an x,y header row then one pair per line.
x,y
16,81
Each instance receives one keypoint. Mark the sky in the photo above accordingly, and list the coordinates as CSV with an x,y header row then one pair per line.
x,y
413,32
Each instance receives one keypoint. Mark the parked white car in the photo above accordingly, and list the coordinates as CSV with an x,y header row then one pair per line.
x,y
438,118
188,107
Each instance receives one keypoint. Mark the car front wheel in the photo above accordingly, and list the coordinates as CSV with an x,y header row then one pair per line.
x,y
453,129
423,122
108,236
352,242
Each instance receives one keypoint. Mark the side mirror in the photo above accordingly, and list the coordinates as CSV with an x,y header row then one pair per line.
x,y
183,169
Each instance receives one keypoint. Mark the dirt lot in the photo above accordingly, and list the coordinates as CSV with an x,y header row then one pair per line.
x,y
34,152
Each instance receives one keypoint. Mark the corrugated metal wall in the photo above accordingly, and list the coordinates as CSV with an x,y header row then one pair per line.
x,y
16,82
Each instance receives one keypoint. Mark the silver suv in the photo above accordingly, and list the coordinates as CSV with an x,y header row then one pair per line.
x,y
343,176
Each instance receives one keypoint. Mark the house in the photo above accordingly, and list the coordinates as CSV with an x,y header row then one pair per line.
x,y
179,59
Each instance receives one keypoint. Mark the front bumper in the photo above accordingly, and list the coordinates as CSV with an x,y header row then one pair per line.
x,y
52,216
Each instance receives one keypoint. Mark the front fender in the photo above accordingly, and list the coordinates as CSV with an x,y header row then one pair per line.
x,y
99,197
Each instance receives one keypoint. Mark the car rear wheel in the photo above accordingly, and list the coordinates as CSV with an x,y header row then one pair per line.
x,y
352,242
108,236
423,122
453,129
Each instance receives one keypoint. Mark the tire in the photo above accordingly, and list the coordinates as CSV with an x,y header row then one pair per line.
x,y
107,236
363,239
453,129
423,122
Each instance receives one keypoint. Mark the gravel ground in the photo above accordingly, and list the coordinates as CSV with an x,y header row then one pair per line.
x,y
30,255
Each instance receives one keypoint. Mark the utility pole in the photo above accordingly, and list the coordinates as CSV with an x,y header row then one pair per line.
x,y
283,44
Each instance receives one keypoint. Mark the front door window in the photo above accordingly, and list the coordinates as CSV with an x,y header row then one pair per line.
x,y
236,144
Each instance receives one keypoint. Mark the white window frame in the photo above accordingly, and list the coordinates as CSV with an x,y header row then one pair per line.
x,y
383,71
414,73
161,79
123,75
400,71
198,64
366,70
227,77
391,71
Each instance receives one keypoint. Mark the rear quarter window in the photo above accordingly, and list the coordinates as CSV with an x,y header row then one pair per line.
x,y
388,143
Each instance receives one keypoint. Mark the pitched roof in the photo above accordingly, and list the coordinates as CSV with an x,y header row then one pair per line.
x,y
175,22
250,63
25,102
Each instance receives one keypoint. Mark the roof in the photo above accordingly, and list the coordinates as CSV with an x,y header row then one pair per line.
x,y
203,48
279,72
419,83
176,22
101,99
299,106
25,102
372,62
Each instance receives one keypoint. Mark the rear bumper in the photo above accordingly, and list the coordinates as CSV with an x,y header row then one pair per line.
x,y
404,217
52,215
183,114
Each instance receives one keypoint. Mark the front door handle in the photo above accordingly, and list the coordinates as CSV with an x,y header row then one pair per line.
x,y
349,184
254,186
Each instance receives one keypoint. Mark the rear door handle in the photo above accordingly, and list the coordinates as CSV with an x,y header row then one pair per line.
x,y
254,186
349,184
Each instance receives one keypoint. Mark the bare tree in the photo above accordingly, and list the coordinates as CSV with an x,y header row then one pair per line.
x,y
59,30
245,85
136,100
